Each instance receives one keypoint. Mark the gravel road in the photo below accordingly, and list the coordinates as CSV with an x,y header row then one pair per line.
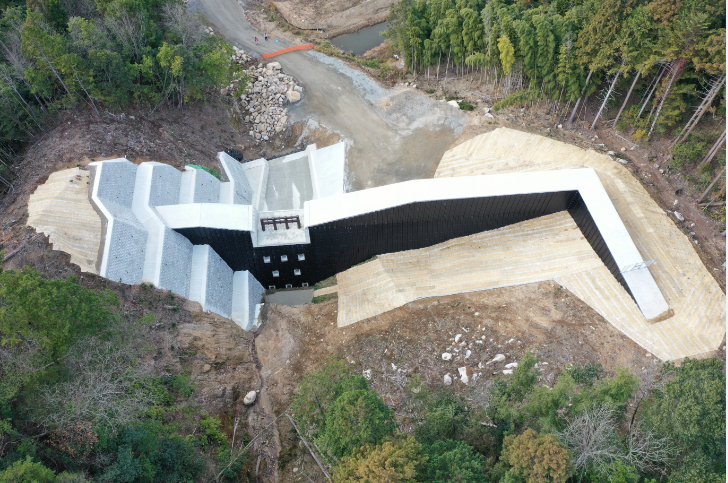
x,y
392,135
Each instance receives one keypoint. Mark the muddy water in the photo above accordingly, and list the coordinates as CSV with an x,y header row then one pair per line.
x,y
361,41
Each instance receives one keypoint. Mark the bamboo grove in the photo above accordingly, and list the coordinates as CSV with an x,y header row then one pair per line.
x,y
668,51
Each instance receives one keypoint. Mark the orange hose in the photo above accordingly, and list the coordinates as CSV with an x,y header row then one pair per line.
x,y
289,49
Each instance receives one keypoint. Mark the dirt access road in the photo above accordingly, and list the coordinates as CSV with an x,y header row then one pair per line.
x,y
392,135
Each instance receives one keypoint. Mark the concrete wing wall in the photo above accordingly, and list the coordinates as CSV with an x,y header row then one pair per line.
x,y
242,193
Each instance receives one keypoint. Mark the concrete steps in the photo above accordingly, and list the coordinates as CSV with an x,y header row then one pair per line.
x,y
698,326
161,256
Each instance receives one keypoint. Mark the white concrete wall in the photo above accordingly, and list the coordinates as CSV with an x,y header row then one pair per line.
x,y
210,215
623,250
327,170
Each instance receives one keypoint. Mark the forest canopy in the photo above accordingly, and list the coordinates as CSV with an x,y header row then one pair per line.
x,y
58,54
564,50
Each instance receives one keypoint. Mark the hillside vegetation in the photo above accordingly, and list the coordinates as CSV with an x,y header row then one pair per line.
x,y
79,400
659,65
519,431
105,54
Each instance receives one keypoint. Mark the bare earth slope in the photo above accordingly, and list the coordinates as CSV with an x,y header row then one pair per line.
x,y
336,17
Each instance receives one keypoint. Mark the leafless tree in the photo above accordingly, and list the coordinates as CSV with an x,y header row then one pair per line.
x,y
592,436
107,387
596,444
187,26
80,8
648,452
129,29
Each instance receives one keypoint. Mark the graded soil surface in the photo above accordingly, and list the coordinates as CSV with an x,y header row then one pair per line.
x,y
392,135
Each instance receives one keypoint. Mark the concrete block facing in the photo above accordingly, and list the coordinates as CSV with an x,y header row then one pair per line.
x,y
240,191
198,186
124,238
211,281
247,293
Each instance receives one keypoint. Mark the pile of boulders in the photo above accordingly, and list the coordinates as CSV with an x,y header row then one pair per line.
x,y
240,56
268,90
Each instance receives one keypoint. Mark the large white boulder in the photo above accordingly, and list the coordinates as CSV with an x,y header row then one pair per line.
x,y
250,398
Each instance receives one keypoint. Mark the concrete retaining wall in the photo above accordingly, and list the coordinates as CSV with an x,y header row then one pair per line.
x,y
124,238
211,281
241,192
247,293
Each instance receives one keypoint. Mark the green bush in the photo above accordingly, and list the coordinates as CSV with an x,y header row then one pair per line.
x,y
55,313
139,454
690,410
586,374
318,390
520,98
27,471
466,105
686,153
401,460
454,461
537,458
444,419
356,418
210,427
182,385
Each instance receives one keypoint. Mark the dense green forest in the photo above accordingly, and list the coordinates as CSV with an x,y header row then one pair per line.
x,y
79,403
520,431
665,58
105,54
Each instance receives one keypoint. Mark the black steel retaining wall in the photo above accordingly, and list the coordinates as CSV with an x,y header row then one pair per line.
x,y
341,244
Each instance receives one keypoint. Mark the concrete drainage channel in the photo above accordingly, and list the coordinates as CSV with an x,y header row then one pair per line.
x,y
293,296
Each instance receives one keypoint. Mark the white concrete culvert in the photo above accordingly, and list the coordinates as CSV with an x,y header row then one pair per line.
x,y
269,89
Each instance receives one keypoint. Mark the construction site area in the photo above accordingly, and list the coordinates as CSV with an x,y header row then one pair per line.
x,y
620,254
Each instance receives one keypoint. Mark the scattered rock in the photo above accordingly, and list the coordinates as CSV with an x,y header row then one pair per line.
x,y
367,374
489,115
464,376
467,353
624,149
486,110
507,371
498,358
250,398
512,365
447,380
454,104
678,215
293,96
206,368
611,153
446,356
458,337
560,126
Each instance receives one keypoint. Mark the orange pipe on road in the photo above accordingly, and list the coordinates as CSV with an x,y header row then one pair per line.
x,y
289,49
